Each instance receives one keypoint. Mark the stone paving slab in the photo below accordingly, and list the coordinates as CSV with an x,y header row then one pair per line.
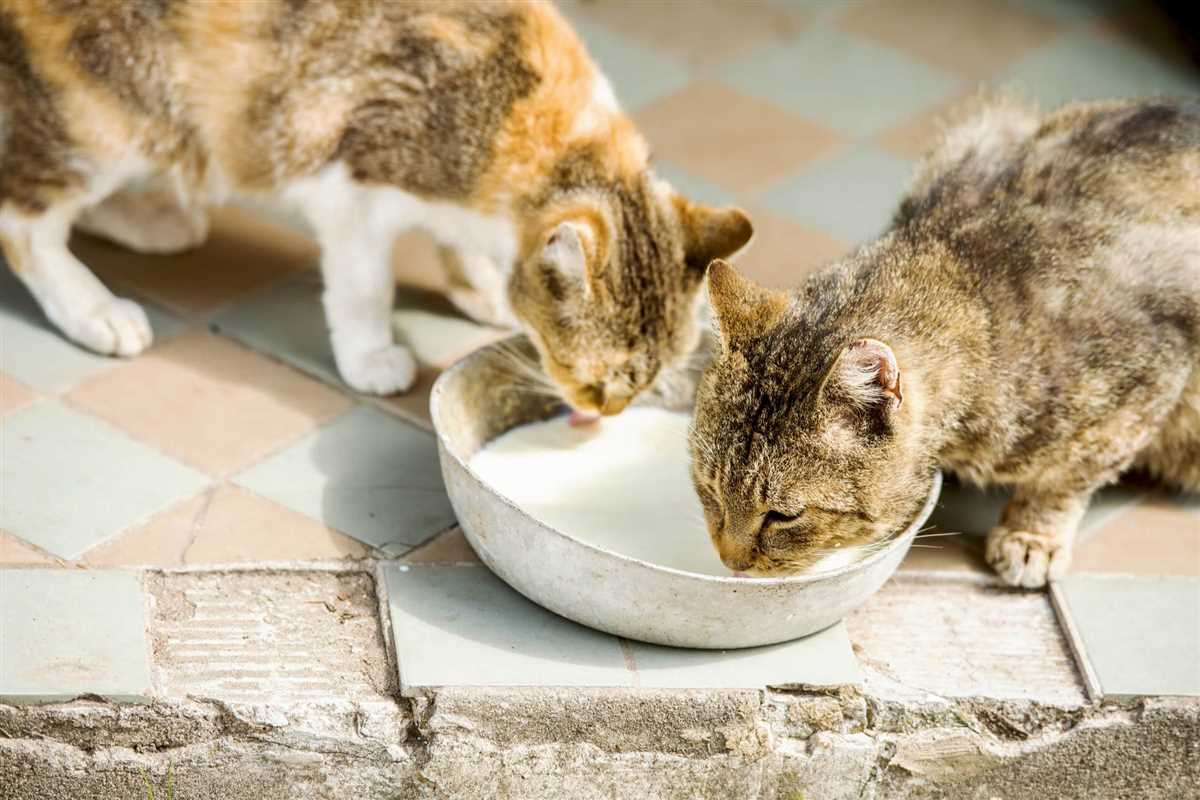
x,y
950,638
66,633
462,626
1133,636
270,638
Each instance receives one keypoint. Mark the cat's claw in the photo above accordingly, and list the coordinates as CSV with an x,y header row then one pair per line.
x,y
116,327
1026,559
389,370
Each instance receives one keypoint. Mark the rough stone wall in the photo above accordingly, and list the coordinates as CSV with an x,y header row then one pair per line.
x,y
483,744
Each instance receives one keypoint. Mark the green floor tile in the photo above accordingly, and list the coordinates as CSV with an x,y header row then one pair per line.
x,y
66,633
366,474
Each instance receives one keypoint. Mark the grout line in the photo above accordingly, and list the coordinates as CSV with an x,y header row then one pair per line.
x,y
348,566
1062,610
384,620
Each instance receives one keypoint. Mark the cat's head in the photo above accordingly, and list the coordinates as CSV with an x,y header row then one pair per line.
x,y
802,441
608,293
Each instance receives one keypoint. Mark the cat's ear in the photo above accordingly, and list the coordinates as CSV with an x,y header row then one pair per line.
x,y
866,375
567,248
710,233
742,308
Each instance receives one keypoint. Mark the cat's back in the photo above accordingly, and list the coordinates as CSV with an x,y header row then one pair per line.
x,y
1088,196
1136,158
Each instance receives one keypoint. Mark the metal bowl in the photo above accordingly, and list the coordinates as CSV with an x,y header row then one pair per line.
x,y
481,397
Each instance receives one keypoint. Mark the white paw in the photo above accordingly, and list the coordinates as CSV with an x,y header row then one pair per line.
x,y
1026,559
115,327
387,371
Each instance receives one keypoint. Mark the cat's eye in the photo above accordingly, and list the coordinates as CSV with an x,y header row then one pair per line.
x,y
775,517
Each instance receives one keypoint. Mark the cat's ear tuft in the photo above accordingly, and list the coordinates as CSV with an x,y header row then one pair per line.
x,y
711,233
566,251
742,308
867,375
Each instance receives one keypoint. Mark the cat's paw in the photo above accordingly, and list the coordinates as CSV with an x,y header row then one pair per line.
x,y
1022,558
116,327
389,370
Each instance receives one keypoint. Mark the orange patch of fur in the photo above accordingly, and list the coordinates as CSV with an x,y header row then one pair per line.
x,y
224,62
541,128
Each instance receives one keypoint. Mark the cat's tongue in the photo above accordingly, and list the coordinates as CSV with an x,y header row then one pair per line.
x,y
578,419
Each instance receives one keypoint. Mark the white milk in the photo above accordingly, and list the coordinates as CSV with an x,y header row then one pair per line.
x,y
622,484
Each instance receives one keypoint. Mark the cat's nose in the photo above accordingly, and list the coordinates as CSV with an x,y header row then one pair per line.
x,y
737,559
613,403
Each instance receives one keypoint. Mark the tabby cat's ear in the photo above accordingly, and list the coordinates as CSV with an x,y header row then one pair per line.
x,y
867,376
742,308
710,233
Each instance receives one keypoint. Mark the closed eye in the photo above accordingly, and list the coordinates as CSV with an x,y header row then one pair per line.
x,y
774,518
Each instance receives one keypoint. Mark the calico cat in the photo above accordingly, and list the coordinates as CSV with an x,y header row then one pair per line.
x,y
483,121
1031,318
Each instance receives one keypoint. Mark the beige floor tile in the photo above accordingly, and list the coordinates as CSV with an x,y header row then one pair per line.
x,y
13,395
209,402
729,138
17,552
243,253
1158,536
914,137
701,32
785,252
224,526
969,38
450,547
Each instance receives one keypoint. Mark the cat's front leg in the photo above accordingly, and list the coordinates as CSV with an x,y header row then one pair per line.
x,y
359,291
69,294
1033,542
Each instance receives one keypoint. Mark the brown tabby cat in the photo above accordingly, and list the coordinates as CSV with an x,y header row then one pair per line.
x,y
1031,319
483,121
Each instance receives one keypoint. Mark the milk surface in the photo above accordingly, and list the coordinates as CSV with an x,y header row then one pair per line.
x,y
623,484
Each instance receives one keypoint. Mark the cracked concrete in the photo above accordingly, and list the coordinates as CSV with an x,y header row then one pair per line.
x,y
915,728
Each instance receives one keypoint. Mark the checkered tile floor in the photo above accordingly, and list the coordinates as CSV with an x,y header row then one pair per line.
x,y
232,439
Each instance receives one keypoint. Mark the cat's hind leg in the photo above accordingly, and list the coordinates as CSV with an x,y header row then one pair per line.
x,y
1173,455
35,246
477,287
155,220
